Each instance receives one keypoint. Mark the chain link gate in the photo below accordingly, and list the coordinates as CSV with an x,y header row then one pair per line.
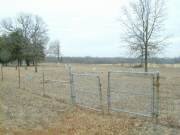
x,y
133,92
86,91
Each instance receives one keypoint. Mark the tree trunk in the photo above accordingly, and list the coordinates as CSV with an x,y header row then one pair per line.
x,y
58,58
35,66
146,59
20,63
33,63
61,59
142,57
27,63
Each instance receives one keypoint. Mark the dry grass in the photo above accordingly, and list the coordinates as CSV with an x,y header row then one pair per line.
x,y
81,122
25,113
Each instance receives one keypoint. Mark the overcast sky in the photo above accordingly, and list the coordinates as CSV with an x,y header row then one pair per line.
x,y
90,27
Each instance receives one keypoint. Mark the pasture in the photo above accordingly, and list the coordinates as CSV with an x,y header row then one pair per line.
x,y
44,102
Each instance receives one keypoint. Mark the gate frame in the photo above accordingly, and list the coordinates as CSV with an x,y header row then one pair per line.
x,y
73,90
155,92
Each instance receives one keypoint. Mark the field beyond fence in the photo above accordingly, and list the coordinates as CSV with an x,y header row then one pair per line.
x,y
104,88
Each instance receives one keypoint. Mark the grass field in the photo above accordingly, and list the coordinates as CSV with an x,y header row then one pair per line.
x,y
32,110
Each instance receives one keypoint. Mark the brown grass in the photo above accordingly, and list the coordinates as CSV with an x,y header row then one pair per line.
x,y
49,116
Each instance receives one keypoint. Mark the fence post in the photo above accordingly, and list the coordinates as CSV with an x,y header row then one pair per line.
x,y
43,85
100,93
153,97
19,76
2,75
71,85
157,97
108,93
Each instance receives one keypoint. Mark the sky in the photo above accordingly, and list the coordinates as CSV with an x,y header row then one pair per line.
x,y
90,27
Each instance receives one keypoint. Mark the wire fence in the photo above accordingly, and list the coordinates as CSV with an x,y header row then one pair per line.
x,y
86,91
52,82
133,92
169,103
130,92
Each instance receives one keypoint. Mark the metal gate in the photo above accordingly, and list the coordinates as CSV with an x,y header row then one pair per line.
x,y
133,92
86,91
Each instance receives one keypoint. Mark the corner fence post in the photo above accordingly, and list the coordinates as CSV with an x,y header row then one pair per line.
x,y
108,93
100,93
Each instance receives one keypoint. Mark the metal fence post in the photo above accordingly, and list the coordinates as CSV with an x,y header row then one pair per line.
x,y
100,93
71,85
108,93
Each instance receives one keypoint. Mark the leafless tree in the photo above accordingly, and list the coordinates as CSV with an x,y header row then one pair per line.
x,y
142,28
38,39
55,50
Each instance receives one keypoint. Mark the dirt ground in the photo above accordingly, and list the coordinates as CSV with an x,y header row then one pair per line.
x,y
34,110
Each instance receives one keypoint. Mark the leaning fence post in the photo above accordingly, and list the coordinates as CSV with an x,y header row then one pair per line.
x,y
100,93
2,75
108,93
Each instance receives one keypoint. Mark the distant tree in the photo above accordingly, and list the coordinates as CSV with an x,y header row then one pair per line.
x,y
143,23
39,39
5,52
33,36
55,50
16,43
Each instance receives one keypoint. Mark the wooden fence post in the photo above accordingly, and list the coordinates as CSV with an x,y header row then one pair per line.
x,y
2,75
100,93
19,76
43,84
157,97
108,93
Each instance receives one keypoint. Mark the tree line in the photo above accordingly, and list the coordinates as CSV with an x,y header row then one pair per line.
x,y
23,39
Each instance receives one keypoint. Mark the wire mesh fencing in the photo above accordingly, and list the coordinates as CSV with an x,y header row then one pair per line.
x,y
48,81
10,74
86,91
32,81
170,102
56,84
133,92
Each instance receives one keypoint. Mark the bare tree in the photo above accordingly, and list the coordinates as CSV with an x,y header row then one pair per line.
x,y
143,26
39,38
55,50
